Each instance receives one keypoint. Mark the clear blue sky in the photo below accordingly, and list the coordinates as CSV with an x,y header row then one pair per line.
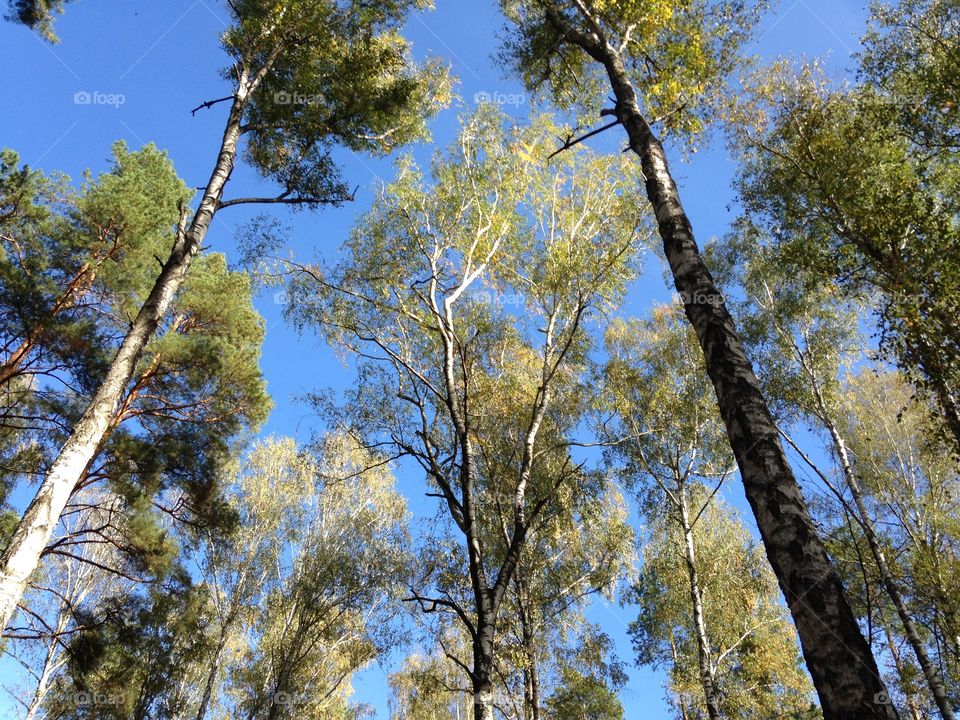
x,y
163,58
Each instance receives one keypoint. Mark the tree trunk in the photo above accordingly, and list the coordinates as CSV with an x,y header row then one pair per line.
x,y
901,673
22,555
212,674
707,679
531,671
886,575
482,676
841,664
483,699
681,700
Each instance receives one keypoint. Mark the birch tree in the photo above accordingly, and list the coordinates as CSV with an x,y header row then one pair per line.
x,y
484,397
909,488
676,457
859,182
666,64
368,97
238,570
582,553
805,334
329,601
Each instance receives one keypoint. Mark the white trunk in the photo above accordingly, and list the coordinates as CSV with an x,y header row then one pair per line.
x,y
707,675
49,665
886,575
22,556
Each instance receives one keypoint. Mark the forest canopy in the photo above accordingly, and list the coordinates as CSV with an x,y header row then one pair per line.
x,y
522,360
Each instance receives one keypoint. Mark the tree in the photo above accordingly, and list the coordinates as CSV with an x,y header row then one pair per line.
x,y
806,336
67,588
268,495
679,55
430,686
859,185
134,658
910,487
326,609
483,398
754,661
708,604
37,15
583,550
587,686
299,597
73,269
373,98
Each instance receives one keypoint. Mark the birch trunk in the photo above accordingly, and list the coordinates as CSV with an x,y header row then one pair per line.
x,y
901,672
212,674
483,658
531,671
840,661
707,680
22,556
483,699
886,575
50,665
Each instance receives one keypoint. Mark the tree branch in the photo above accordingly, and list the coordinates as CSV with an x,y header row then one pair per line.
x,y
210,104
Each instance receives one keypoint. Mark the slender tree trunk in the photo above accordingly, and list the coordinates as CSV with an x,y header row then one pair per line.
x,y
901,672
841,664
49,661
212,674
531,671
22,555
890,584
707,679
681,700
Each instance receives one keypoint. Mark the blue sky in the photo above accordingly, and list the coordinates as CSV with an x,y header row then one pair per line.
x,y
143,64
